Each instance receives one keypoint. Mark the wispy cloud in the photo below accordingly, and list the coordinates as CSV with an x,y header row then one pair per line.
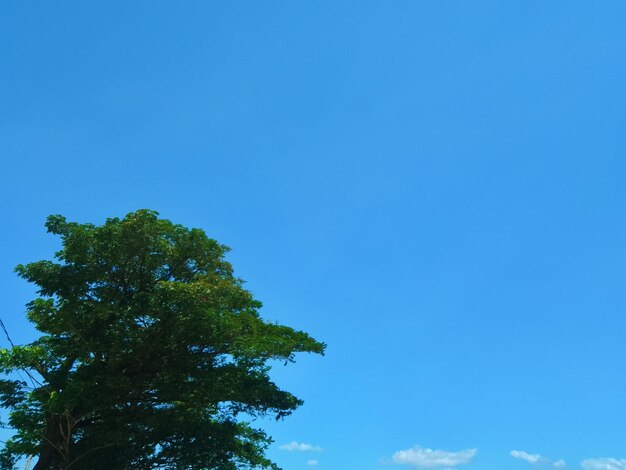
x,y
537,460
420,457
603,464
312,462
530,458
295,446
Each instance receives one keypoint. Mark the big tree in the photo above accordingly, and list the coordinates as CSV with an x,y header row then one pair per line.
x,y
152,354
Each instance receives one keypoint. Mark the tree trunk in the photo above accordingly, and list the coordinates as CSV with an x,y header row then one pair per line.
x,y
54,445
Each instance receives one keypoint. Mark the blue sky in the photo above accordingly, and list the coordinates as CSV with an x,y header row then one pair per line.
x,y
434,188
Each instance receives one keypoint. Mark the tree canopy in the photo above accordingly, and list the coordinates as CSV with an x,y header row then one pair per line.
x,y
152,354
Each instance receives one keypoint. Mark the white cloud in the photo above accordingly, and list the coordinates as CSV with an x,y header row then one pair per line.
x,y
312,462
536,459
428,458
530,458
295,446
603,464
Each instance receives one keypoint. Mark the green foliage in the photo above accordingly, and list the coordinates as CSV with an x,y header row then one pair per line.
x,y
152,354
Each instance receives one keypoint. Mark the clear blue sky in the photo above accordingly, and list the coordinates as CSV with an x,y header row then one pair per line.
x,y
437,189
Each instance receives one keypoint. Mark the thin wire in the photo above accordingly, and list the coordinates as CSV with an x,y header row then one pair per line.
x,y
6,333
33,380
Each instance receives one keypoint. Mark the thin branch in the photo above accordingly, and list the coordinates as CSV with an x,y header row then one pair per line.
x,y
85,453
